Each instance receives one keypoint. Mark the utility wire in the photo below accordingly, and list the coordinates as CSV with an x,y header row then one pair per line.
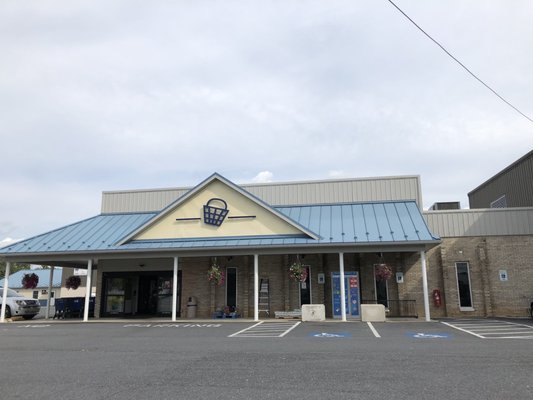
x,y
460,63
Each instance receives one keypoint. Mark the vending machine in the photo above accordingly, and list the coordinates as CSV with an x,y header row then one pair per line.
x,y
351,294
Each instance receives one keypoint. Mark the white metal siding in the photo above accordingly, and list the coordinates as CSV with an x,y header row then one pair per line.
x,y
293,193
480,222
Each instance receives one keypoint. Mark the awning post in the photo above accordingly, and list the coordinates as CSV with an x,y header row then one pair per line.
x,y
88,288
343,288
256,287
175,289
4,295
425,285
49,298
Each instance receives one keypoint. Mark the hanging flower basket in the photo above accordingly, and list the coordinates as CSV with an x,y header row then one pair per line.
x,y
215,275
30,281
383,272
297,272
73,282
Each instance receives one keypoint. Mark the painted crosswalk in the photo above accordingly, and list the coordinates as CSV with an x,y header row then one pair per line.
x,y
493,329
267,329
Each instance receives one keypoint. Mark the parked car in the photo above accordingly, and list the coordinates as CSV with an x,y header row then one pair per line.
x,y
17,305
531,309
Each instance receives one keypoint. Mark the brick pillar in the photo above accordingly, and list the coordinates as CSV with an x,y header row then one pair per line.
x,y
485,280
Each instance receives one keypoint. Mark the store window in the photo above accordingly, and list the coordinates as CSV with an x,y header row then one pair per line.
x,y
463,285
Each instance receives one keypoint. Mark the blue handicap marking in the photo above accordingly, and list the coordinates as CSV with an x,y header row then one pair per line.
x,y
330,335
420,335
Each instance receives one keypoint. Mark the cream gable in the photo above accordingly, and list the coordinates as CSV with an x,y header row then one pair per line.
x,y
174,226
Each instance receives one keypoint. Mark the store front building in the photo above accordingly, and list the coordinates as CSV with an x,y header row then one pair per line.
x,y
161,263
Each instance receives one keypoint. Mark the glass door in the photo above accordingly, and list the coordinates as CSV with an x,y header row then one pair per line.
x,y
114,295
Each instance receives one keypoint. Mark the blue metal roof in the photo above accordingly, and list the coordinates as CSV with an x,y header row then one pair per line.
x,y
15,279
395,222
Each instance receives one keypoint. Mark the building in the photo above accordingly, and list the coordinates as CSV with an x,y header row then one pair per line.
x,y
511,187
366,238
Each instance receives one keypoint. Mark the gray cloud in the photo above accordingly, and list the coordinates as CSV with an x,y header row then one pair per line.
x,y
97,96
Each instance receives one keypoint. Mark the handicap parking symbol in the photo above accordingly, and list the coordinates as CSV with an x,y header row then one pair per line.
x,y
421,335
330,335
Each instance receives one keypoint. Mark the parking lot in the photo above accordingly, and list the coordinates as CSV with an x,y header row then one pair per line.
x,y
275,359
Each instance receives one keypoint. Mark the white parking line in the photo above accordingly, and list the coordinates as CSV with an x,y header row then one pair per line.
x,y
374,331
493,329
245,329
463,330
267,329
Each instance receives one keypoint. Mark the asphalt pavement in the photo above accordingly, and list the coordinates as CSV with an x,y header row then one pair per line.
x,y
152,359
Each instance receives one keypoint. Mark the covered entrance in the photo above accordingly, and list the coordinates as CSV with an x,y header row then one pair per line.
x,y
139,294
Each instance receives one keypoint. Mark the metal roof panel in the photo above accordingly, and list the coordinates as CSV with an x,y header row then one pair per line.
x,y
357,223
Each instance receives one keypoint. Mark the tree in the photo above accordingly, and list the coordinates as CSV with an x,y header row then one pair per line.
x,y
14,268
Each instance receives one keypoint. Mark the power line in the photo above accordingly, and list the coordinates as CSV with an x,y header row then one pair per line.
x,y
460,63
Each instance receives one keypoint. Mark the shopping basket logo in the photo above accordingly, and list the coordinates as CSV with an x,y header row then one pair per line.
x,y
215,215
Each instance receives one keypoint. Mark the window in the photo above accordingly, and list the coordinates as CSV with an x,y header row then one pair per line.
x,y
463,285
35,294
500,202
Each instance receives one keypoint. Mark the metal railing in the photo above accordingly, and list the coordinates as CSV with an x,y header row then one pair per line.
x,y
397,308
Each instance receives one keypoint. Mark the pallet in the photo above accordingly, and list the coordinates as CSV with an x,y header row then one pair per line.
x,y
296,314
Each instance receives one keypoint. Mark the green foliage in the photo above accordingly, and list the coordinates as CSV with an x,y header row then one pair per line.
x,y
14,268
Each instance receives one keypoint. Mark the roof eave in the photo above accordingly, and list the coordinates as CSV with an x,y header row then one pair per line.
x,y
79,259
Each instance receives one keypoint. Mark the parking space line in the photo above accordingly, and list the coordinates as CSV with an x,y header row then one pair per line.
x,y
463,330
290,329
245,329
493,329
374,331
267,329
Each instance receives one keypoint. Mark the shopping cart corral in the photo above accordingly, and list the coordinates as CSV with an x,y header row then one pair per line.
x,y
72,307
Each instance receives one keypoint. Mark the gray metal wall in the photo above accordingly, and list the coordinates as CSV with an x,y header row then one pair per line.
x,y
277,194
480,222
515,182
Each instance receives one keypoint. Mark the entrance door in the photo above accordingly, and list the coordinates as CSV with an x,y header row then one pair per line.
x,y
231,288
305,287
143,293
351,294
382,290
155,294
148,295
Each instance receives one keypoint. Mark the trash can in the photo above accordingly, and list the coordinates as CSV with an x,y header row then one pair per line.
x,y
192,306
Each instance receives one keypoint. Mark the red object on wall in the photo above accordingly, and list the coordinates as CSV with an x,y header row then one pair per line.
x,y
437,298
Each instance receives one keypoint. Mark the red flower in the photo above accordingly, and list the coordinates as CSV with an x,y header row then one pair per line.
x,y
73,282
30,281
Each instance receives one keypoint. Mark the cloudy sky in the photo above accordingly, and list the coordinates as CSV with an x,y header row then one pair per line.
x,y
105,95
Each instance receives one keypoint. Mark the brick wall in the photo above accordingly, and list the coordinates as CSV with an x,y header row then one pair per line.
x,y
486,256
